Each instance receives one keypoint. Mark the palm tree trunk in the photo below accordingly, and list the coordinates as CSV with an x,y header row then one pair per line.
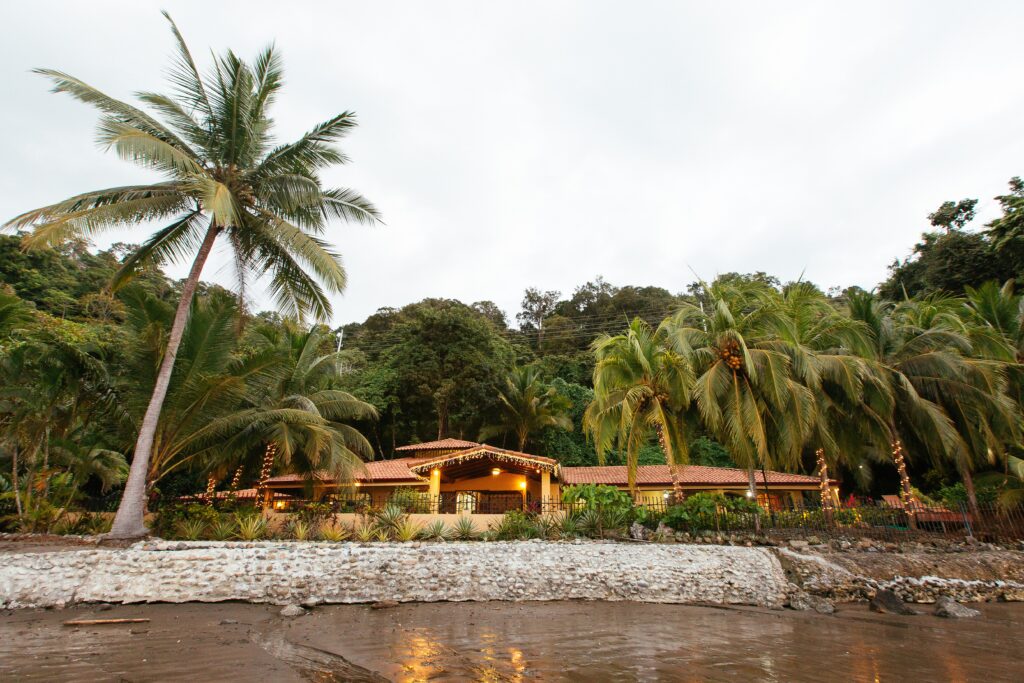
x,y
972,499
673,466
129,521
14,481
752,479
906,490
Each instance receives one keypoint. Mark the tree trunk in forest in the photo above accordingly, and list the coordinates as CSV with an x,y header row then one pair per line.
x,y
129,522
752,479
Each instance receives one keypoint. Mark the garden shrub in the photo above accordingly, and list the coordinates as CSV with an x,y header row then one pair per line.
x,y
169,518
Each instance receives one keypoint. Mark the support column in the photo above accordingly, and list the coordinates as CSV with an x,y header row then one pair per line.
x,y
434,493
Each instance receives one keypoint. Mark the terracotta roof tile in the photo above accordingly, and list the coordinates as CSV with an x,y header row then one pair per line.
x,y
691,474
378,470
443,444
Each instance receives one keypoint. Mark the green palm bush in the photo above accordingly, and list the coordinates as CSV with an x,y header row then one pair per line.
x,y
223,179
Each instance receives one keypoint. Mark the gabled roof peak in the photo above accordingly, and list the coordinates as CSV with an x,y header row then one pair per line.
x,y
440,445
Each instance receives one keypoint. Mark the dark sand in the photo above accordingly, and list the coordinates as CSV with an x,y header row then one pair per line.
x,y
591,641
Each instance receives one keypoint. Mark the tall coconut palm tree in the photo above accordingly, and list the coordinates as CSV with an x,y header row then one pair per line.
x,y
827,349
936,398
745,387
527,406
224,180
641,389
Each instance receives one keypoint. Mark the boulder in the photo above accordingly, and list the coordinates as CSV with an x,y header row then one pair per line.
x,y
801,600
637,531
949,608
887,602
798,545
292,611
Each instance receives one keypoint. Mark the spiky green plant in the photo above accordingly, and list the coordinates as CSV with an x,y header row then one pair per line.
x,y
568,526
190,529
390,517
365,533
335,532
407,530
301,530
435,531
224,179
463,529
223,529
381,535
251,527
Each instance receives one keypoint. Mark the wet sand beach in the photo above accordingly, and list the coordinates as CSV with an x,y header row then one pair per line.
x,y
557,641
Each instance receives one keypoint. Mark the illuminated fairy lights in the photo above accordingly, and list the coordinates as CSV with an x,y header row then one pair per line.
x,y
826,490
265,470
906,493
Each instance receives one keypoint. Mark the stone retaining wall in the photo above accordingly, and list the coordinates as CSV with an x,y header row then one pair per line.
x,y
312,573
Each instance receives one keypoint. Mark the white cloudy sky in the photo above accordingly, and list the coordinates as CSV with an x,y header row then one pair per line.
x,y
542,143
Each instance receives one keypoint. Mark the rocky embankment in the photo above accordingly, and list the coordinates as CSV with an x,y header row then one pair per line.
x,y
801,575
313,573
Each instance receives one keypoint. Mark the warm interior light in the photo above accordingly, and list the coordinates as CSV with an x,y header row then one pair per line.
x,y
435,471
358,483
279,505
496,471
522,484
750,494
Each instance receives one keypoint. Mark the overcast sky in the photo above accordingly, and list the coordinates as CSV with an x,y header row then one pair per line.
x,y
543,143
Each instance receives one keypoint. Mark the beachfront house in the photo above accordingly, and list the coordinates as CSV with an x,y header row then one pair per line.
x,y
452,476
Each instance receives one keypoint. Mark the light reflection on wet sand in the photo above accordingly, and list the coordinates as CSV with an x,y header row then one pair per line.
x,y
511,642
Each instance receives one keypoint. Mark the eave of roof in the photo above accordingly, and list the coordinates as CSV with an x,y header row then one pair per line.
x,y
485,451
690,475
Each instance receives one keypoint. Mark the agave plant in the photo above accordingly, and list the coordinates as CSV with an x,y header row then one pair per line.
x,y
568,526
435,531
366,533
301,530
463,530
407,530
251,527
335,532
545,527
390,518
381,535
190,529
223,529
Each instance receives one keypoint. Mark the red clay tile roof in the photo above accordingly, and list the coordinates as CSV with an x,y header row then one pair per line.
x,y
443,444
483,450
691,475
378,470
